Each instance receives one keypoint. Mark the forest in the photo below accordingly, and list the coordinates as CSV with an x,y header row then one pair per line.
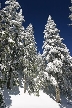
x,y
20,60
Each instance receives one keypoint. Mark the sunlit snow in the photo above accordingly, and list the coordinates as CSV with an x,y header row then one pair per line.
x,y
18,99
23,100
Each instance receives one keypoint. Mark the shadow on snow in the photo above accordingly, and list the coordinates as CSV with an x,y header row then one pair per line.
x,y
14,91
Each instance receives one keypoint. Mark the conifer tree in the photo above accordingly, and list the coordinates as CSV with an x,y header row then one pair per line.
x,y
56,56
30,60
12,30
3,44
39,80
70,16
2,103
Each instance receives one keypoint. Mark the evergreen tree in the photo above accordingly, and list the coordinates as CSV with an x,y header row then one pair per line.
x,y
3,44
39,80
70,16
56,56
12,30
30,60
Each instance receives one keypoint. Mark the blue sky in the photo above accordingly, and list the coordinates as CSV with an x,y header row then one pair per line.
x,y
37,12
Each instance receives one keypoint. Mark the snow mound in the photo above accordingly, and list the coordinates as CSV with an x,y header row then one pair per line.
x,y
24,100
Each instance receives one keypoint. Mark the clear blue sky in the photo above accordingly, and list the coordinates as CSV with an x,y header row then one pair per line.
x,y
37,12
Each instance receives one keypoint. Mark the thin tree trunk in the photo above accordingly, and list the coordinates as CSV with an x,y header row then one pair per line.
x,y
24,83
24,87
57,91
57,94
9,78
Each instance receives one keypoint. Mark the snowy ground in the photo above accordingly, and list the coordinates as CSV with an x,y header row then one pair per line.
x,y
18,99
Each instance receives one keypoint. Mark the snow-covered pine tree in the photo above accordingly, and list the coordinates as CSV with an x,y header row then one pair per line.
x,y
21,53
56,56
39,80
12,31
30,60
67,68
0,50
2,103
70,16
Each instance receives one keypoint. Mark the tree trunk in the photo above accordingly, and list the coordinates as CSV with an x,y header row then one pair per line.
x,y
57,94
25,87
9,78
24,83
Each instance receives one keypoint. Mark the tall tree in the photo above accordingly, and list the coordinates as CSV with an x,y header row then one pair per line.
x,y
12,30
56,56
30,60
39,80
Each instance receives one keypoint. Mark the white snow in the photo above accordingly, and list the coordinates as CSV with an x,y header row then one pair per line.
x,y
10,40
19,99
52,79
26,101
21,43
